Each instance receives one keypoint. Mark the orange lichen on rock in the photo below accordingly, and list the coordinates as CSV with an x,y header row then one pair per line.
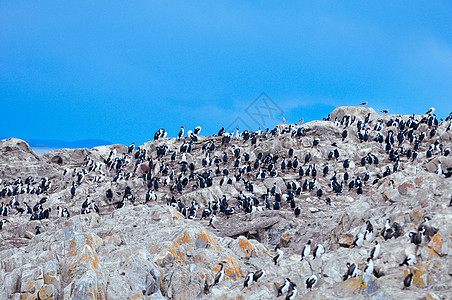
x,y
419,180
185,239
174,254
245,245
435,245
205,237
419,275
232,269
352,285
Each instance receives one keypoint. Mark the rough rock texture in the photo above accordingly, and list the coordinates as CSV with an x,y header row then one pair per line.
x,y
149,250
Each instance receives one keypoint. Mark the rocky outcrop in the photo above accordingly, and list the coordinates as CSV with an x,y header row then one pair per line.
x,y
149,250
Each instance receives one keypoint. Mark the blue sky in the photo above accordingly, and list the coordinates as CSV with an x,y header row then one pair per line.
x,y
118,71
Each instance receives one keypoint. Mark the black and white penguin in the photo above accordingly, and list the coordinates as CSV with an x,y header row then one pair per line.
x,y
3,222
318,251
370,266
72,190
306,250
369,231
279,255
409,260
284,287
213,220
38,231
359,240
292,291
258,275
131,148
352,271
375,250
109,194
416,238
248,280
181,133
220,275
408,280
311,281
344,134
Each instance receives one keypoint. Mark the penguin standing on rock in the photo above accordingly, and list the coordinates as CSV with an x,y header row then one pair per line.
x,y
258,274
131,148
292,292
279,255
408,280
375,250
220,275
311,282
352,271
181,133
318,251
248,280
306,250
409,260
72,190
284,288
370,266
359,240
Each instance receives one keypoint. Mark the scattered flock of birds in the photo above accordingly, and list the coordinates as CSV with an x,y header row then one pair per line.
x,y
222,160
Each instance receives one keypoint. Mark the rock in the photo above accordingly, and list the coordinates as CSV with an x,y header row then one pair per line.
x,y
149,250
47,292
346,240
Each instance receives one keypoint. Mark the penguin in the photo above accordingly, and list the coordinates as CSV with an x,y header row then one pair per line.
x,y
409,260
213,220
220,275
386,227
284,287
315,142
408,280
292,291
131,148
109,194
319,193
3,222
370,266
38,231
197,130
72,190
306,250
311,281
279,255
344,134
352,271
416,238
248,280
375,250
369,231
258,274
181,133
297,211
318,251
359,240
325,170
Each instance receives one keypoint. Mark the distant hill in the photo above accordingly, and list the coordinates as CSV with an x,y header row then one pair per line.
x,y
57,144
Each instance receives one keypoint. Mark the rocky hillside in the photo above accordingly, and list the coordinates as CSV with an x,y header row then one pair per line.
x,y
229,216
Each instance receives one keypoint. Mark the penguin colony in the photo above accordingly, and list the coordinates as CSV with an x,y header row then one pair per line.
x,y
169,173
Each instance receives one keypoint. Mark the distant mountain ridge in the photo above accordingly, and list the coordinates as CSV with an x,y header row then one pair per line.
x,y
89,143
